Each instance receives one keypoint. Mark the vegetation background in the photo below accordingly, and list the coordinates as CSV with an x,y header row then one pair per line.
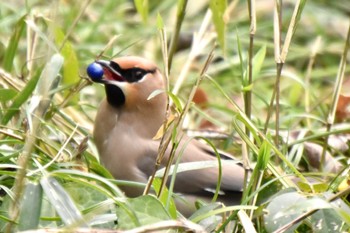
x,y
291,52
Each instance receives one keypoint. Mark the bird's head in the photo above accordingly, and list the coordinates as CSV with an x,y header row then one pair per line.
x,y
129,81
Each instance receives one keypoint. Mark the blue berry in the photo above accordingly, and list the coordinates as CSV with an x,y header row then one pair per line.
x,y
95,71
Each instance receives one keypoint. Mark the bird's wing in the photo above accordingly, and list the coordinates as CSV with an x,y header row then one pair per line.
x,y
199,180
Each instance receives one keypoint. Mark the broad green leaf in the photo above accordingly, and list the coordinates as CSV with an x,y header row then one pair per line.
x,y
71,63
11,49
93,202
88,198
340,209
31,207
286,207
147,209
277,217
142,9
327,220
218,8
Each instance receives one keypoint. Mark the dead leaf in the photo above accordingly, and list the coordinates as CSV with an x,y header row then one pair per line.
x,y
343,108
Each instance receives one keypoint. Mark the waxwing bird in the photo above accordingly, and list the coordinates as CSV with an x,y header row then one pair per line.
x,y
128,120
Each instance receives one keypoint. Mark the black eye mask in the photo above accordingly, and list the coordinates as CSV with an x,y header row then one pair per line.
x,y
131,75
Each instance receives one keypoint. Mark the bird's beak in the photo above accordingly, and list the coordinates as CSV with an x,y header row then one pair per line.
x,y
110,73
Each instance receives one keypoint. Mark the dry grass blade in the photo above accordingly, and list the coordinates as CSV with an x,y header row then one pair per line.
x,y
164,142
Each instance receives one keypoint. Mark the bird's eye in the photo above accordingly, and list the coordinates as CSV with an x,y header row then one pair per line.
x,y
139,74
135,74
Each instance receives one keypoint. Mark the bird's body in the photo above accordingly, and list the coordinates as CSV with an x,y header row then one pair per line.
x,y
127,122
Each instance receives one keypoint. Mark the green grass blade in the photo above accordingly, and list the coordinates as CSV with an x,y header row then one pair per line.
x,y
218,8
142,9
169,206
258,61
21,98
13,44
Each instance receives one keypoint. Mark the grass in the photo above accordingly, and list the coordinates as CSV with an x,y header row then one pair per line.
x,y
273,73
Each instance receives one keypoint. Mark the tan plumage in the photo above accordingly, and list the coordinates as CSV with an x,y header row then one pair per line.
x,y
124,130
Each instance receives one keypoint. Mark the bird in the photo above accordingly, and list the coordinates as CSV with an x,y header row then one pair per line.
x,y
126,123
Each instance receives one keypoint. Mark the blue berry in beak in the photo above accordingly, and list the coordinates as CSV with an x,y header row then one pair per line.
x,y
95,72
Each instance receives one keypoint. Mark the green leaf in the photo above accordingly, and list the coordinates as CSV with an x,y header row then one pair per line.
x,y
176,101
286,207
258,61
160,23
142,9
7,94
264,156
71,63
148,209
62,202
95,166
31,207
11,49
93,202
78,176
218,8
165,197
